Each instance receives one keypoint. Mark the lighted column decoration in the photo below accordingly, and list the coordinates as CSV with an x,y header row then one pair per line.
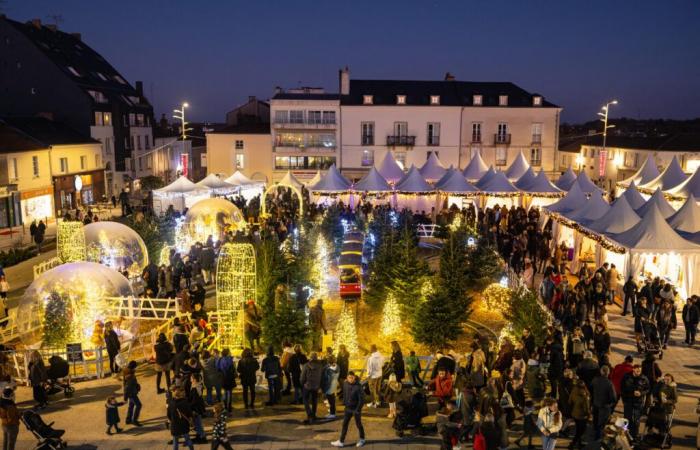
x,y
322,265
70,242
391,321
235,285
346,331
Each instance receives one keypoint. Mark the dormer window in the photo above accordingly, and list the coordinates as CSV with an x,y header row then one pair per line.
x,y
400,99
537,100
367,99
73,71
502,100
434,99
477,100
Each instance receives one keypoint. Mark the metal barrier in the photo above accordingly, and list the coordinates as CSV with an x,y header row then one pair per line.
x,y
427,230
46,266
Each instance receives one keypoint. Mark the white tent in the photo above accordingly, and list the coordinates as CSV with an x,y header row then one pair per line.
x,y
634,198
573,199
433,169
566,180
661,203
687,218
316,178
238,179
412,184
456,184
518,168
689,187
447,175
372,182
485,178
181,194
594,208
332,181
217,185
671,177
526,179
248,188
498,184
585,183
290,180
542,185
390,169
620,217
476,168
645,174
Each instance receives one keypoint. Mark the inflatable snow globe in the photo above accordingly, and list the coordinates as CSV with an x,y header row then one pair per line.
x,y
212,217
117,246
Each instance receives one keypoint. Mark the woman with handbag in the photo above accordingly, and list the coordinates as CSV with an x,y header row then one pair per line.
x,y
549,422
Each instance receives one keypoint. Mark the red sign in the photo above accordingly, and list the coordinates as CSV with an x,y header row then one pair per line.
x,y
185,163
602,160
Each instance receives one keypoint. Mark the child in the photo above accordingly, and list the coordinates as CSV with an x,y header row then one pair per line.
x,y
112,411
391,394
413,365
219,433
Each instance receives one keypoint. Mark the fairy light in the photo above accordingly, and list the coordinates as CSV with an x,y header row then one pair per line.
x,y
496,297
391,320
322,266
346,331
70,242
236,283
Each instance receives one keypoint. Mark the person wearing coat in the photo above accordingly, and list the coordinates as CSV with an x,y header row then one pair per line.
x,y
329,384
635,387
579,403
112,414
311,375
113,346
603,400
397,362
353,400
131,394
37,377
691,317
601,341
164,359
212,377
630,291
534,381
248,367
549,422
227,372
441,387
296,362
180,417
10,417
392,392
343,361
272,368
666,321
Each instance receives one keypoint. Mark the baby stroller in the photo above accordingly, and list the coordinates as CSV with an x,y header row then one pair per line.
x,y
657,433
650,342
49,439
409,414
58,375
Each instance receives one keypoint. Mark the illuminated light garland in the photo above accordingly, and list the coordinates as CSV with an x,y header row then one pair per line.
x,y
496,297
322,266
456,222
164,258
346,331
236,283
70,242
603,241
426,290
391,320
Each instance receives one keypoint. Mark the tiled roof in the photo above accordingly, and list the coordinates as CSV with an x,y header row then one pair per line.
x,y
31,133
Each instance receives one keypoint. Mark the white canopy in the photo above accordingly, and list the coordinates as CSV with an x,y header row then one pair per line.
x,y
526,179
372,182
671,177
433,169
566,180
620,217
413,182
290,180
390,169
213,182
485,178
455,183
181,186
542,185
476,168
594,208
654,234
634,198
239,179
518,168
447,175
316,178
689,187
645,174
498,183
687,218
332,181
585,183
661,203
573,199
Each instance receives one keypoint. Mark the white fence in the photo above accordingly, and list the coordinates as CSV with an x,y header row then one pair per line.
x,y
45,266
427,230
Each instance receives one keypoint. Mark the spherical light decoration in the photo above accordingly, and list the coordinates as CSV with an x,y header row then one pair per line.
x,y
212,217
117,246
62,305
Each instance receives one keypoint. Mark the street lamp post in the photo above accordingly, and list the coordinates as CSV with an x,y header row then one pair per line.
x,y
180,115
604,114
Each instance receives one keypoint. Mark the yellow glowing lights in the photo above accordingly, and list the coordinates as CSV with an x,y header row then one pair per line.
x,y
70,242
235,285
496,297
346,331
391,320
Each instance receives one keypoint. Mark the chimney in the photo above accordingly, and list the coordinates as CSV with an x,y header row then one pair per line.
x,y
278,90
344,80
36,23
139,87
449,77
78,36
251,98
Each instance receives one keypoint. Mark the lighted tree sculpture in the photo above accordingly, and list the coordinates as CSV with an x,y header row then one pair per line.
x,y
322,265
346,331
391,317
235,285
70,242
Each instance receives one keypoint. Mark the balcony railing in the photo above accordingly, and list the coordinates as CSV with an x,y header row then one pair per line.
x,y
313,123
367,140
536,138
499,138
319,145
408,141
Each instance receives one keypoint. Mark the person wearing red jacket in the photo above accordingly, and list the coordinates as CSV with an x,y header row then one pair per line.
x,y
618,372
441,386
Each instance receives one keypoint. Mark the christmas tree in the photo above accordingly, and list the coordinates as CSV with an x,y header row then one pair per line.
x,y
435,324
391,319
57,320
346,331
285,323
408,274
380,271
485,265
454,272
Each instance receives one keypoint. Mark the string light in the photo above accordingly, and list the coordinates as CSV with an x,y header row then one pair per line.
x,y
391,320
346,331
496,297
70,242
322,266
236,283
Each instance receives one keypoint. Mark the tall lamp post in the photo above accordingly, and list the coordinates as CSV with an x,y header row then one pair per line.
x,y
604,118
180,115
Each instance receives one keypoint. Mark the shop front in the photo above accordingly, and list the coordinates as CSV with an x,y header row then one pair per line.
x,y
10,215
37,204
74,191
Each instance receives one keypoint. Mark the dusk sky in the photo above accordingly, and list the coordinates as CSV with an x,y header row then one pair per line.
x,y
214,54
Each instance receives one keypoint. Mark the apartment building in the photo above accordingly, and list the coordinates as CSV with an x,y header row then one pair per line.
x,y
246,147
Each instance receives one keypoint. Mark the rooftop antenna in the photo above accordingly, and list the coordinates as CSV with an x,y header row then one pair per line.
x,y
56,18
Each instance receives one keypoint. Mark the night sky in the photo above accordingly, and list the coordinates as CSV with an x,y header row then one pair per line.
x,y
578,54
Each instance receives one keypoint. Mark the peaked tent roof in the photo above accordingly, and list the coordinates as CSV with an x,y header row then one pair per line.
x,y
316,178
433,169
654,234
687,218
332,181
671,177
689,187
485,178
447,175
526,179
456,184
414,182
634,198
619,218
594,208
390,169
658,199
566,180
573,199
290,180
212,181
476,168
542,185
373,182
239,179
585,183
498,183
181,186
518,168
645,174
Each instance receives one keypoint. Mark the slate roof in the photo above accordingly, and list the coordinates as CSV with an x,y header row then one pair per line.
x,y
304,96
244,128
32,133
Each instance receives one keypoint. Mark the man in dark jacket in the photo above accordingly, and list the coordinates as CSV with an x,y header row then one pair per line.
x,y
603,399
180,417
556,364
273,371
691,316
311,382
353,401
635,387
113,346
630,290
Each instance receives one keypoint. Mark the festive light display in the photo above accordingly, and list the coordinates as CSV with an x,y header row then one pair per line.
x,y
602,240
164,259
456,222
391,320
117,246
426,290
322,265
236,283
263,200
70,242
496,297
346,331
211,217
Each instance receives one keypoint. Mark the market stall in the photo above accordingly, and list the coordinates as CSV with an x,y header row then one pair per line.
x,y
540,191
456,189
373,188
433,169
498,190
671,177
217,186
585,183
687,219
566,180
331,188
476,168
518,168
414,192
247,188
634,198
390,169
657,199
645,174
180,194
690,187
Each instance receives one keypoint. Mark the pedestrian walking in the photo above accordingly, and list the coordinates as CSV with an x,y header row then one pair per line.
x,y
247,369
603,400
374,365
9,415
311,375
272,369
112,414
180,418
549,422
353,402
329,385
635,387
131,394
113,346
219,435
